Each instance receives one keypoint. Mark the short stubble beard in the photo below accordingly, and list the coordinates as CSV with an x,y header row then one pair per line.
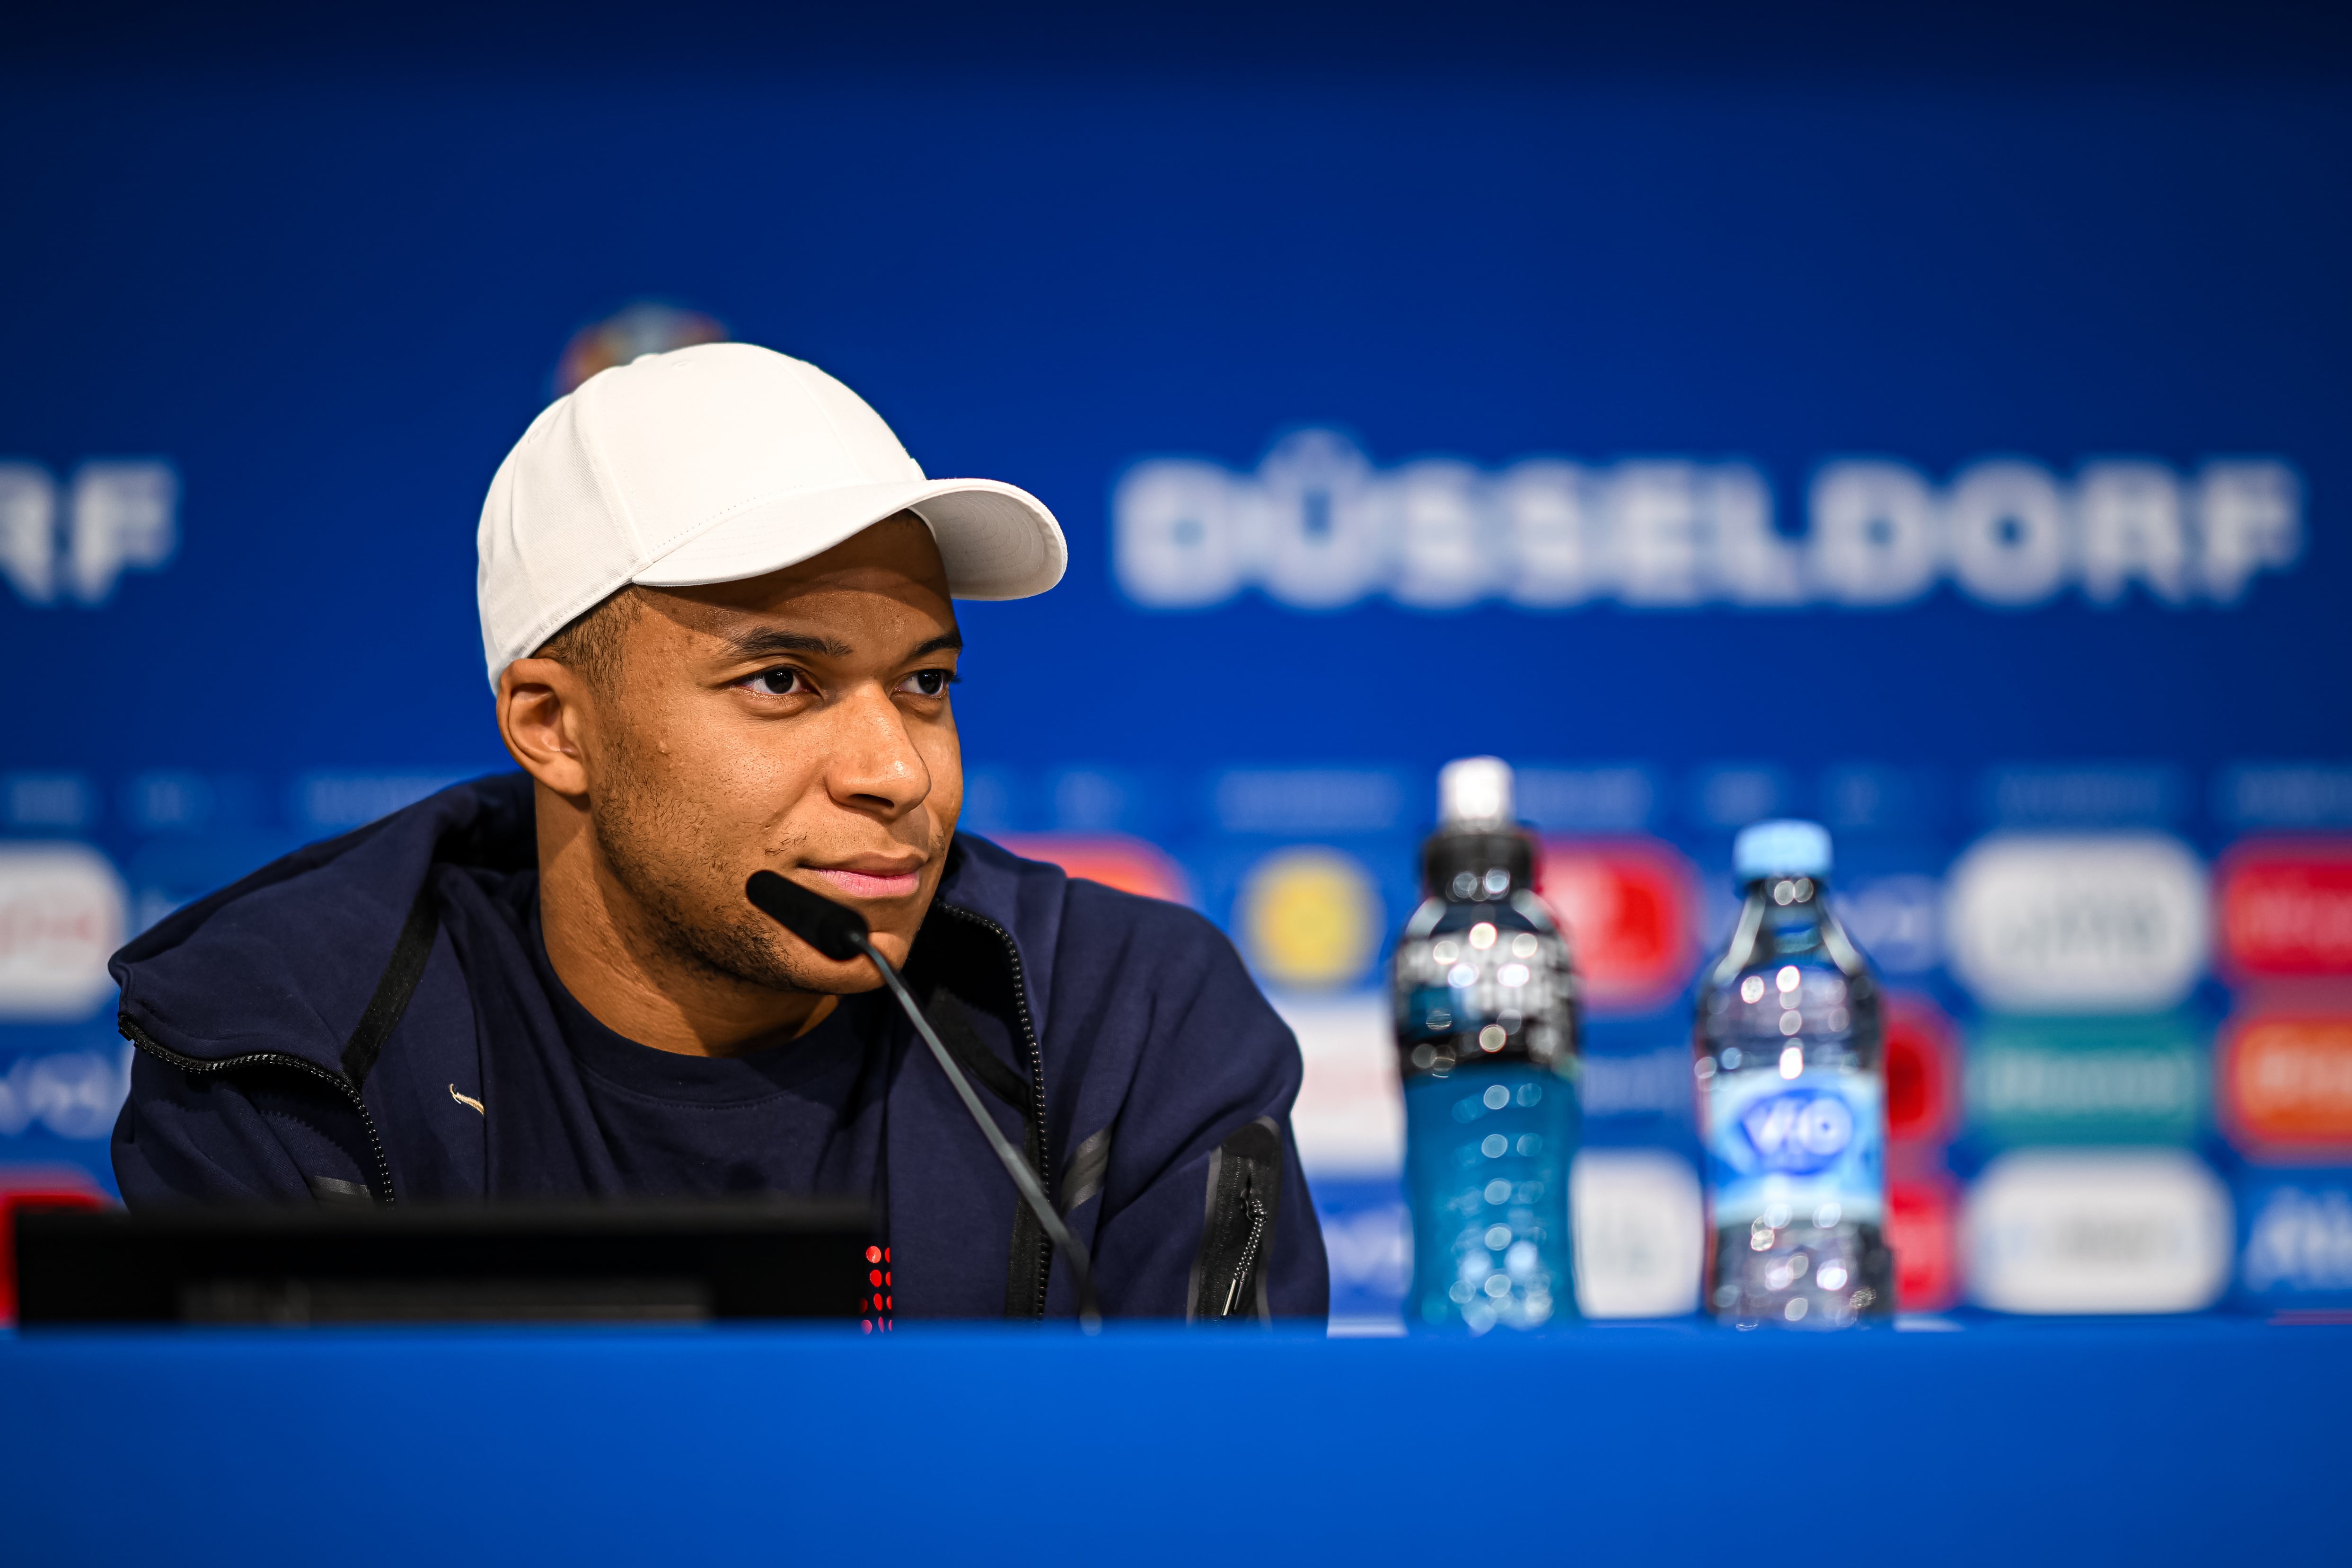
x,y
641,832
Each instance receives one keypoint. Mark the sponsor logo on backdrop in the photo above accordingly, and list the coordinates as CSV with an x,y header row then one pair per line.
x,y
113,517
1628,908
1921,1072
1897,921
176,801
1586,800
2299,1238
1641,1233
1869,798
2286,909
646,328
74,1094
2074,1231
2077,1080
1734,796
1309,800
1923,1226
1317,526
62,911
1310,918
335,801
54,803
1349,1116
2286,1085
2081,923
2284,794
1098,800
2078,797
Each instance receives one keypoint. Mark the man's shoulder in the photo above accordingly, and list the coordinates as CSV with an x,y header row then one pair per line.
x,y
289,955
1081,937
1143,1005
1113,917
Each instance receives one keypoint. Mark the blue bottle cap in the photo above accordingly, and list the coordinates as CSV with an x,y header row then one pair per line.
x,y
1782,849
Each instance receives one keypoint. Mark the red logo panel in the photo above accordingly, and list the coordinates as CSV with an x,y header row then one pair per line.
x,y
1921,1228
1627,904
2286,1085
2286,908
1921,1069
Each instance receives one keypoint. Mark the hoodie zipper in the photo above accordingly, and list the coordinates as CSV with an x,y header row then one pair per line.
x,y
1248,1264
1036,1080
197,1067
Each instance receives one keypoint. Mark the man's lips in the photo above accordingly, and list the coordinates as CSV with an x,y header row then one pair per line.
x,y
870,884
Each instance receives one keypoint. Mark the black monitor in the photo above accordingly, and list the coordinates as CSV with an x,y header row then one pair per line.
x,y
634,1261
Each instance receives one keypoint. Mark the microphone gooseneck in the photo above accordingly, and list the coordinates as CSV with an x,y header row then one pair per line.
x,y
840,932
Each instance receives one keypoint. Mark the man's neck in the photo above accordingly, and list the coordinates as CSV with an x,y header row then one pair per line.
x,y
601,943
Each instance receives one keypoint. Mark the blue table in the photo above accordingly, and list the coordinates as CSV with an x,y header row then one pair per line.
x,y
2206,1441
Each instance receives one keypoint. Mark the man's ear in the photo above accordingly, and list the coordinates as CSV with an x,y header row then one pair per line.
x,y
543,709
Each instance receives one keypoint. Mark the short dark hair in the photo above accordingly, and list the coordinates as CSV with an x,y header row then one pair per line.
x,y
590,642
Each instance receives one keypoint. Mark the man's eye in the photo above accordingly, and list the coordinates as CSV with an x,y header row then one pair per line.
x,y
928,682
777,683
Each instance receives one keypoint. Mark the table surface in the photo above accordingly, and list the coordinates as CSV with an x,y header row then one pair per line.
x,y
2206,1440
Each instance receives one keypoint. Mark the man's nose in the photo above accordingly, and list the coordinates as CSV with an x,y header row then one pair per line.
x,y
874,765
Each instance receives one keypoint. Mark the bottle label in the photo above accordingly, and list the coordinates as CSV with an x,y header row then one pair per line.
x,y
1797,1146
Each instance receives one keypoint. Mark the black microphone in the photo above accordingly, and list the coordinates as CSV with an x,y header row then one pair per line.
x,y
839,931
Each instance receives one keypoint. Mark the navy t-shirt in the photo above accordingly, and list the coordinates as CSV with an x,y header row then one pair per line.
x,y
804,1118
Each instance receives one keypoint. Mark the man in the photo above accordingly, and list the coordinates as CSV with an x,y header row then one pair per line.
x,y
716,603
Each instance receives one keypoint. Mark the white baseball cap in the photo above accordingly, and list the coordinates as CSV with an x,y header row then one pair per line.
x,y
715,463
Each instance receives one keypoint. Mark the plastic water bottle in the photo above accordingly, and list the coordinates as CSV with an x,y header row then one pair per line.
x,y
1487,1037
1793,1100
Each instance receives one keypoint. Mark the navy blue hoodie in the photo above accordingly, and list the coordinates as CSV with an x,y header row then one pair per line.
x,y
356,1022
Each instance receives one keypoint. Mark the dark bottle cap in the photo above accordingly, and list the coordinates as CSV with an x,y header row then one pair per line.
x,y
1461,864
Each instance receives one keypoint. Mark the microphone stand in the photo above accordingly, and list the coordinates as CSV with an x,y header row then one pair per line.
x,y
838,932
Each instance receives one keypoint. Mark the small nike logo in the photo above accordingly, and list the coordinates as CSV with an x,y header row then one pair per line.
x,y
469,1100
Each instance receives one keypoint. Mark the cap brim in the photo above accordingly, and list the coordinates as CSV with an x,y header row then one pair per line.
x,y
996,540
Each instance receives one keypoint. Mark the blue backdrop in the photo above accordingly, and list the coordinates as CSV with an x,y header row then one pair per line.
x,y
276,314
